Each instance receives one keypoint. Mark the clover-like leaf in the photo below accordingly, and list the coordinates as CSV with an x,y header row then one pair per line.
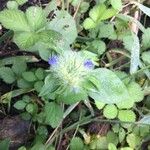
x,y
127,116
7,75
110,111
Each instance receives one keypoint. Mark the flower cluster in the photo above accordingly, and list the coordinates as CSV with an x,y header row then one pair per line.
x,y
70,69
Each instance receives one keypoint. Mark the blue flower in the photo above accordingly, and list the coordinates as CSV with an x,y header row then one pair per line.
x,y
53,60
88,64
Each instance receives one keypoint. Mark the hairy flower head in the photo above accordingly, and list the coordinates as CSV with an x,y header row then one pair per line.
x,y
70,69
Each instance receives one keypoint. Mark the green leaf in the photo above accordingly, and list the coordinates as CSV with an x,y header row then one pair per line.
x,y
106,30
146,57
16,20
40,73
21,2
76,144
112,137
128,42
97,46
49,87
112,89
111,146
25,40
54,114
20,105
70,97
12,5
66,26
127,116
122,135
54,40
99,104
29,76
136,95
4,145
23,84
97,14
110,111
7,75
126,104
36,18
99,143
126,148
19,66
38,85
133,140
146,39
22,148
135,54
135,92
116,4
89,23
52,5
30,108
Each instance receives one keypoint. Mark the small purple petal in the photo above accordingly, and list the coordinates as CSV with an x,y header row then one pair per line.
x,y
88,64
53,60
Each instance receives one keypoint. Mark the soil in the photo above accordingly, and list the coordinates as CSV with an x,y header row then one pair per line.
x,y
16,129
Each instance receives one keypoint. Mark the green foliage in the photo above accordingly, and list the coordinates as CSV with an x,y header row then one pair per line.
x,y
122,134
111,88
99,143
116,4
76,143
29,76
25,39
38,86
21,2
4,145
36,18
20,105
146,57
40,73
7,75
97,47
99,104
110,111
127,115
53,114
19,66
12,5
97,14
111,147
133,140
146,38
104,30
78,72
31,33
16,20
66,25
112,138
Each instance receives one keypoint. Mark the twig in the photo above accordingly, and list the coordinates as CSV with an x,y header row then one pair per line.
x,y
77,9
